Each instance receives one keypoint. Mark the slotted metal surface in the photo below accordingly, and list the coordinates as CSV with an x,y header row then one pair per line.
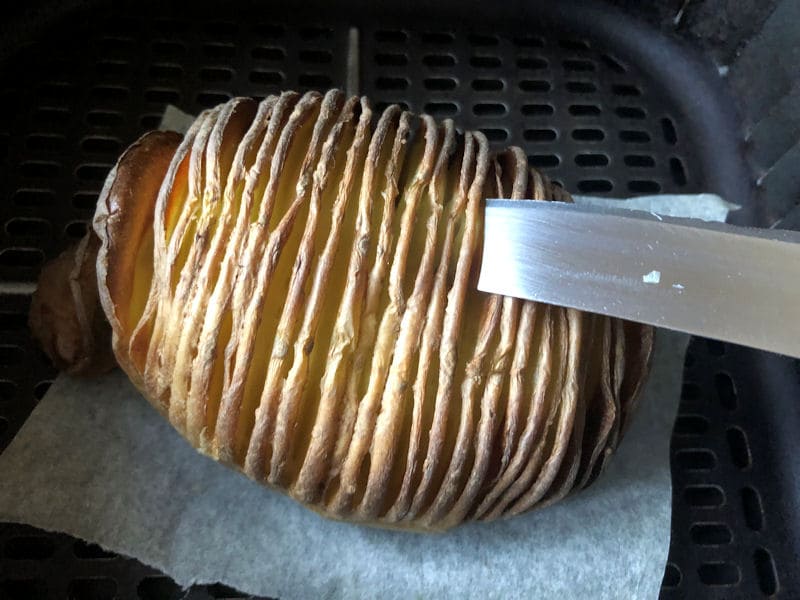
x,y
730,535
590,119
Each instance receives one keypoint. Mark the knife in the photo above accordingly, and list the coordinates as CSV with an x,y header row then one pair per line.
x,y
729,283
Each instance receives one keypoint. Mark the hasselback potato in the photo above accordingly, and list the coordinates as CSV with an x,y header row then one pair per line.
x,y
293,285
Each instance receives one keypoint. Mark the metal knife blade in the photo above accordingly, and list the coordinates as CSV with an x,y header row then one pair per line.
x,y
715,280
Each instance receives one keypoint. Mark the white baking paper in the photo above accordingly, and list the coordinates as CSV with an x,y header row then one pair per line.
x,y
95,460
706,207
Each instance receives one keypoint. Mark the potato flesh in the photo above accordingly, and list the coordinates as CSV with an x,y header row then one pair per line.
x,y
304,308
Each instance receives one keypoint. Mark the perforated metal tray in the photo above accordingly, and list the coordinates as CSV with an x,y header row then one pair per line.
x,y
600,103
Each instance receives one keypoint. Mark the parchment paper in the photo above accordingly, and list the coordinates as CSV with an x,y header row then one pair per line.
x,y
96,461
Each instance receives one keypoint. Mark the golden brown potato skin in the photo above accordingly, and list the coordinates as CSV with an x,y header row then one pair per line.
x,y
65,316
292,284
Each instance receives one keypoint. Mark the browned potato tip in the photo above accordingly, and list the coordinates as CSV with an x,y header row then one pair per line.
x,y
65,317
293,285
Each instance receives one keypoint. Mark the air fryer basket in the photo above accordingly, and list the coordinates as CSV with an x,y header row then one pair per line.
x,y
600,102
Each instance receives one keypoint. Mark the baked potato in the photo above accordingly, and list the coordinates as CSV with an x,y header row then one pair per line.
x,y
293,285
